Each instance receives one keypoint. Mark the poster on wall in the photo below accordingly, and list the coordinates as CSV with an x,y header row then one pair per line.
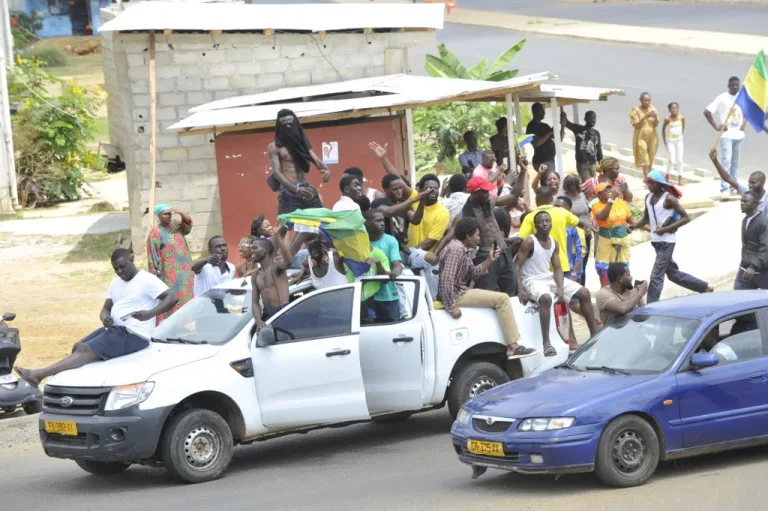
x,y
330,152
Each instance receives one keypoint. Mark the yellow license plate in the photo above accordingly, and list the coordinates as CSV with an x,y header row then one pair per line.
x,y
61,427
485,448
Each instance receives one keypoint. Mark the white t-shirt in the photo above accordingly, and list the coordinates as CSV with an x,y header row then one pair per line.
x,y
138,294
719,109
211,276
345,204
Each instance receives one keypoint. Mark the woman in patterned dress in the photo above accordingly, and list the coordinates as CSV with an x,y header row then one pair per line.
x,y
613,218
645,142
168,255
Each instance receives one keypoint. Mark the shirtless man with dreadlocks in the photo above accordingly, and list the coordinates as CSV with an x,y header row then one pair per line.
x,y
290,155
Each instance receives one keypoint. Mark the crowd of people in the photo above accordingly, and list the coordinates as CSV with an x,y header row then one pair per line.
x,y
474,239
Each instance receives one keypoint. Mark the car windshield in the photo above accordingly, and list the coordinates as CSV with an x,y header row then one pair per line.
x,y
636,344
213,317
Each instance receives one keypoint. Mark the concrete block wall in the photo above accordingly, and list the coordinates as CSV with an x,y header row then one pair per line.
x,y
193,69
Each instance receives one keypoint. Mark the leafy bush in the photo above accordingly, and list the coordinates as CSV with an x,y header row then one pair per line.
x,y
48,56
24,29
51,134
448,66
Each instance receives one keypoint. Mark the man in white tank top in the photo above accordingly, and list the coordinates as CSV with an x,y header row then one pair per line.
x,y
540,276
665,215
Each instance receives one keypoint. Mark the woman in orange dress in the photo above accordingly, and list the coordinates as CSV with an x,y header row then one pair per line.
x,y
645,142
613,218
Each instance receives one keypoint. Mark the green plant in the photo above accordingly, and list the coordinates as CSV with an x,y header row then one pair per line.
x,y
48,56
51,134
24,29
448,66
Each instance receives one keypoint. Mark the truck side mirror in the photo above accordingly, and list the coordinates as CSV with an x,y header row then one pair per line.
x,y
9,316
266,337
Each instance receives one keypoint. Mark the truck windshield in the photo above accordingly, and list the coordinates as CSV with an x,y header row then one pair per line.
x,y
636,344
213,317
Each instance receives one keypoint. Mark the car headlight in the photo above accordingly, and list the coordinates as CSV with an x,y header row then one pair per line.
x,y
546,424
128,395
463,417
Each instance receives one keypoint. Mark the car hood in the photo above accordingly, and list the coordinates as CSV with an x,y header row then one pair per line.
x,y
134,368
553,393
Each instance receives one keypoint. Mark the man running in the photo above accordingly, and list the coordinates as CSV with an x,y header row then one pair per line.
x,y
133,301
270,282
666,215
290,155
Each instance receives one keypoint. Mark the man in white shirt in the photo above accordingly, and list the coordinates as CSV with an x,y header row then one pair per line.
x,y
717,113
133,301
213,270
351,191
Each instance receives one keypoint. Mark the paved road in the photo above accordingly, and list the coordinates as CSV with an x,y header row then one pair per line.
x,y
409,466
744,19
691,79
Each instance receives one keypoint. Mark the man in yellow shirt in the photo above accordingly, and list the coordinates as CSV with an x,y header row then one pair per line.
x,y
428,224
561,220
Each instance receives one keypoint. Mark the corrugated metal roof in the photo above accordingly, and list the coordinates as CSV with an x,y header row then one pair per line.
x,y
158,16
370,96
570,93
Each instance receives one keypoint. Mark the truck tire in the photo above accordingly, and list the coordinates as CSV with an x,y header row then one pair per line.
x,y
33,407
628,452
196,446
102,468
471,380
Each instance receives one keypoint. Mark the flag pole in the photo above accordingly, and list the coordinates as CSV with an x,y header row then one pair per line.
x,y
725,124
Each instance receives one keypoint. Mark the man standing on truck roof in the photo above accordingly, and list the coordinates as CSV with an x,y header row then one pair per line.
x,y
133,301
270,282
457,273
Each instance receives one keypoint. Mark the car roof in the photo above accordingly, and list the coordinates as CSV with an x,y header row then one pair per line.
x,y
701,305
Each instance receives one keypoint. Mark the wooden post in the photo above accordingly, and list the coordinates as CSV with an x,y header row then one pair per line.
x,y
519,124
152,129
559,157
411,149
511,139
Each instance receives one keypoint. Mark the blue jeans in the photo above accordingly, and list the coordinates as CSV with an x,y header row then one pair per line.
x,y
730,152
301,256
416,261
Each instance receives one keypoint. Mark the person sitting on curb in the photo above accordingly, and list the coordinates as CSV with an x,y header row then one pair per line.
x,y
621,295
457,275
214,269
134,299
536,282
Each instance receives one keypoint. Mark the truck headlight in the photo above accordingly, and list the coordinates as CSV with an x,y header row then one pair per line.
x,y
128,395
546,424
463,417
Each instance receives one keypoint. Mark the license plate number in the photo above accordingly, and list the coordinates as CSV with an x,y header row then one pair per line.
x,y
61,427
485,448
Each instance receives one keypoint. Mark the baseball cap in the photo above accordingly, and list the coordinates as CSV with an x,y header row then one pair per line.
x,y
480,183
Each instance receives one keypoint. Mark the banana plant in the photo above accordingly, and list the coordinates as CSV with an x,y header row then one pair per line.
x,y
448,66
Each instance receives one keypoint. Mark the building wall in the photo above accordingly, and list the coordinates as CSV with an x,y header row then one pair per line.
x,y
193,69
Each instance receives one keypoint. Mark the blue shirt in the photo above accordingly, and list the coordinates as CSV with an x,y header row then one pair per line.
x,y
575,248
388,244
470,160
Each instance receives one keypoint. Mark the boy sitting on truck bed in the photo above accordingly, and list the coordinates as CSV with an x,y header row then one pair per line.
x,y
133,301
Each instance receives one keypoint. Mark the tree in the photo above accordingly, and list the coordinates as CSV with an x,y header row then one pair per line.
x,y
448,66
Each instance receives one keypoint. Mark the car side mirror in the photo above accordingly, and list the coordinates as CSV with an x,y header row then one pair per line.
x,y
266,337
9,316
701,360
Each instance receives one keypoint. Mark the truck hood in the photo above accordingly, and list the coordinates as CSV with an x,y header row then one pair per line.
x,y
553,393
134,368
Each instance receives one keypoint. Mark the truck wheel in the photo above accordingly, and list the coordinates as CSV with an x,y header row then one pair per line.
x,y
628,452
9,409
471,380
102,468
197,446
33,407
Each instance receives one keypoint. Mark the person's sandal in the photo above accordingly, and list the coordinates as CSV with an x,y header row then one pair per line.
x,y
550,351
522,352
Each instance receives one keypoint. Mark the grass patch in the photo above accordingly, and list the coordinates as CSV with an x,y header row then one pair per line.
x,y
79,66
102,130
92,247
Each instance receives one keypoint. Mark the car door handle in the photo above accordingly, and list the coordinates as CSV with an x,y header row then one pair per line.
x,y
402,339
757,378
338,353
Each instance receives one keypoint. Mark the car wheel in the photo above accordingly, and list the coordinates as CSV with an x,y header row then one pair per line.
x,y
471,380
9,409
197,446
628,452
33,407
102,468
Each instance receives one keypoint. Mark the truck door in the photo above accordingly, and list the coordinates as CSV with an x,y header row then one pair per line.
x,y
311,374
392,355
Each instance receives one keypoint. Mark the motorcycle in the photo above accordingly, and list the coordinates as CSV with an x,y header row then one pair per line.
x,y
14,392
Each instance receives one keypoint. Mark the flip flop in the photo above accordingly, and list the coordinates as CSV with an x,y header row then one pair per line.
x,y
25,374
522,352
550,351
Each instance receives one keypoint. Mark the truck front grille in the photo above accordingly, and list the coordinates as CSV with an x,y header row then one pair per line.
x,y
74,400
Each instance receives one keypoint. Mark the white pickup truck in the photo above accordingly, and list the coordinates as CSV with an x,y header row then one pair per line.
x,y
206,383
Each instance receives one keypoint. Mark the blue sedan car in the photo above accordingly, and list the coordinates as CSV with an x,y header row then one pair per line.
x,y
672,379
